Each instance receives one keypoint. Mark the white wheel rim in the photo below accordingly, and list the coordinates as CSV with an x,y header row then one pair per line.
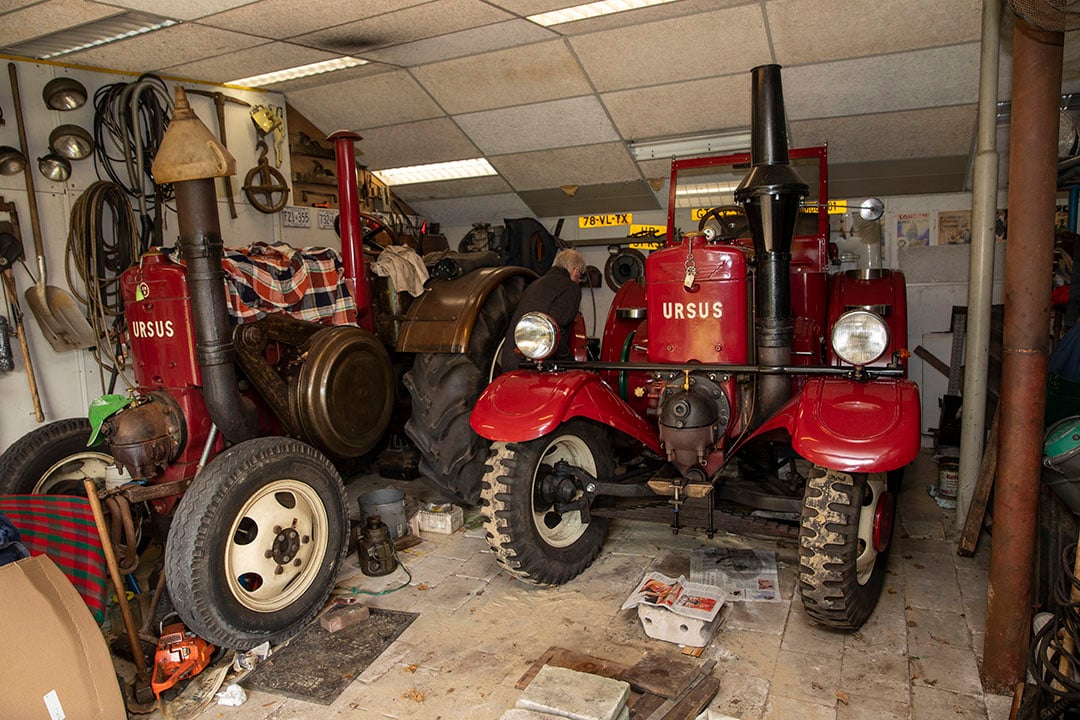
x,y
867,558
562,530
275,547
70,473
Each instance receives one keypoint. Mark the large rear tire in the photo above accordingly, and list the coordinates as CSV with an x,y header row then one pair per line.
x,y
444,387
844,540
52,460
256,542
531,539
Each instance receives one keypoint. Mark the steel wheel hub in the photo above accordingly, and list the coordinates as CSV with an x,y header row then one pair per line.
x,y
66,477
875,526
560,530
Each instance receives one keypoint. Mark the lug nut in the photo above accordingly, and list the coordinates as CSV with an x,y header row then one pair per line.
x,y
268,554
278,570
277,529
305,539
296,562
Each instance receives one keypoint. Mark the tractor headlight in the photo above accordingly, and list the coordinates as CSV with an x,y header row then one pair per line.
x,y
536,336
859,337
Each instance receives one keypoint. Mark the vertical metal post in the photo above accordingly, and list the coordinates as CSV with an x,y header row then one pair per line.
x,y
980,264
1037,67
352,246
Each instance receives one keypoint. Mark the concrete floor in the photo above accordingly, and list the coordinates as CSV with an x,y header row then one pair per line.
x,y
479,630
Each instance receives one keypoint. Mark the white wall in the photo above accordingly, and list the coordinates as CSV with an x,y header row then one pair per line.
x,y
68,381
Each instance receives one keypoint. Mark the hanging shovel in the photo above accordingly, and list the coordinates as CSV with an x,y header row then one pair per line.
x,y
58,315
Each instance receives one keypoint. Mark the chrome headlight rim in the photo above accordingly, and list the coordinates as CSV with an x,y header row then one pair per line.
x,y
859,356
537,336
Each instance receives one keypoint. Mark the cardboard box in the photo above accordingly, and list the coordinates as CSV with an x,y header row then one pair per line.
x,y
443,518
54,663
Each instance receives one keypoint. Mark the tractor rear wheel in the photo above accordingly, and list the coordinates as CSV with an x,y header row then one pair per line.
x,y
256,542
530,537
444,387
53,460
847,522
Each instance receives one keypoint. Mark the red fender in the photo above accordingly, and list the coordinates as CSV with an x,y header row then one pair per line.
x,y
851,426
525,405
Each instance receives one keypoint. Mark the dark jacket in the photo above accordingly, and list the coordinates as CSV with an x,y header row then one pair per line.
x,y
553,293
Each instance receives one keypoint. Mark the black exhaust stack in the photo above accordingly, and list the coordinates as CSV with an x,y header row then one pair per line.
x,y
770,196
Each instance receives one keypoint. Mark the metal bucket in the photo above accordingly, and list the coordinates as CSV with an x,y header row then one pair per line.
x,y
389,504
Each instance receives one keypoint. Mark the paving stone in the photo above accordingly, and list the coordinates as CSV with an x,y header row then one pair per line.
x,y
740,696
763,617
523,714
998,707
804,635
814,678
780,707
577,695
931,630
947,669
744,652
875,674
934,704
864,706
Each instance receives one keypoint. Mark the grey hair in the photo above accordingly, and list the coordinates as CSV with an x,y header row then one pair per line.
x,y
569,260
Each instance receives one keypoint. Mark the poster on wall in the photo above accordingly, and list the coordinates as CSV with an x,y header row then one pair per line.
x,y
912,229
1061,216
954,227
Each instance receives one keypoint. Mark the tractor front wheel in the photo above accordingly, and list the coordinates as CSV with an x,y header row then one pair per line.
x,y
847,522
53,460
256,542
531,537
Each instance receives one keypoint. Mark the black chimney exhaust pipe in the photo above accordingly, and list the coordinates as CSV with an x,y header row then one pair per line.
x,y
770,195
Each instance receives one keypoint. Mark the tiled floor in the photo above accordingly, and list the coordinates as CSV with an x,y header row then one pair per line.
x,y
479,630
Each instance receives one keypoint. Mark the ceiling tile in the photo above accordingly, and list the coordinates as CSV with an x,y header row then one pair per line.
x,y
590,165
533,73
934,132
898,177
486,208
49,17
923,78
609,197
174,45
468,187
559,123
281,18
467,42
807,31
709,45
418,143
186,10
402,26
681,108
388,99
230,66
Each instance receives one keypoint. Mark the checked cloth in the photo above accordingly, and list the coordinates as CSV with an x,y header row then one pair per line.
x,y
63,527
265,279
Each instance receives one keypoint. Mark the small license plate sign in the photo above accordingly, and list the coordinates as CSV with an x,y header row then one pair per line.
x,y
297,217
609,220
326,219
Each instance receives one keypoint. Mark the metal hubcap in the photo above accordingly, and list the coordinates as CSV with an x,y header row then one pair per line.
x,y
875,520
272,553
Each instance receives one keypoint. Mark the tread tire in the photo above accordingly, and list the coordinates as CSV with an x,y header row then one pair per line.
x,y
195,562
26,461
507,508
444,387
829,548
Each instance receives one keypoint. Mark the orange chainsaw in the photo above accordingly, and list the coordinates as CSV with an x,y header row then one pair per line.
x,y
181,654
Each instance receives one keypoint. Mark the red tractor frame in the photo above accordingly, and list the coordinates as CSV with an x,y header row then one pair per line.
x,y
740,375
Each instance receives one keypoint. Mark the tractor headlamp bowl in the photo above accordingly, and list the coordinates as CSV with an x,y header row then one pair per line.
x,y
71,141
54,167
12,161
859,337
536,336
64,93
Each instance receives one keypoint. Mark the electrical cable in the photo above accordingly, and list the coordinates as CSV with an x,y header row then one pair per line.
x,y
102,243
345,590
130,120
1052,661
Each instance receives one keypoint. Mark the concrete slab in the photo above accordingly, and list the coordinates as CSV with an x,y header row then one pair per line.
x,y
580,696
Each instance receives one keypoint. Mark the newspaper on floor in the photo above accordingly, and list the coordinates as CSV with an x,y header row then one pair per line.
x,y
681,596
742,574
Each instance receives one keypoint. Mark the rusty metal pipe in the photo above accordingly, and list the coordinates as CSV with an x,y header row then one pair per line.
x,y
352,246
1037,67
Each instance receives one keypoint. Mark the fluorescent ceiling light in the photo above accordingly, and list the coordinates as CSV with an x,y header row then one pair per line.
x,y
706,194
590,10
91,35
728,142
299,71
456,170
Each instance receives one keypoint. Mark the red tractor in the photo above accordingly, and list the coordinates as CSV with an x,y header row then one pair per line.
x,y
234,435
740,376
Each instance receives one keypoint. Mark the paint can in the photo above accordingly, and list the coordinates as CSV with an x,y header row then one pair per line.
x,y
948,477
388,504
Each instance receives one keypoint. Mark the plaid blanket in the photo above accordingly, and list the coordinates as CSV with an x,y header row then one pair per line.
x,y
264,279
63,527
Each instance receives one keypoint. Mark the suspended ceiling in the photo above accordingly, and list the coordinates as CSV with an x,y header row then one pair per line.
x,y
890,85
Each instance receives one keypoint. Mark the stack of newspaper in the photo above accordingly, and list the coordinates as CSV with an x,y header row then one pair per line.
x,y
680,596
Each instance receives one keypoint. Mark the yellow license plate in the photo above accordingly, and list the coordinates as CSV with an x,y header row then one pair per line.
x,y
610,220
836,207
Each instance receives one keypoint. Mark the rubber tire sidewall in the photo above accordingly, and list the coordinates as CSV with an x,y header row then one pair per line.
x,y
194,555
444,387
828,578
507,509
24,463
